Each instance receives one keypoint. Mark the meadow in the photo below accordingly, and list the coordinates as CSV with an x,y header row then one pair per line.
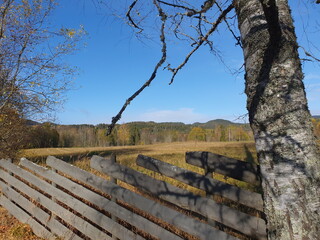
x,y
173,153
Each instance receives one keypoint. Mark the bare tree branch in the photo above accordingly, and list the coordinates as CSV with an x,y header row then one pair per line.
x,y
308,54
153,75
237,38
190,12
177,6
129,16
202,40
197,42
204,8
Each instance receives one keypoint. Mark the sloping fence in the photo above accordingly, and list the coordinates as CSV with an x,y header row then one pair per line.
x,y
67,202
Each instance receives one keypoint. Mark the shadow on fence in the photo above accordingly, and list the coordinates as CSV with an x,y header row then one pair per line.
x,y
61,200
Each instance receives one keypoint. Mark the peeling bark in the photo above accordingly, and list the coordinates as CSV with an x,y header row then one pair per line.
x,y
280,119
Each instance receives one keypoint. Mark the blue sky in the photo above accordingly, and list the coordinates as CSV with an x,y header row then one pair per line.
x,y
114,64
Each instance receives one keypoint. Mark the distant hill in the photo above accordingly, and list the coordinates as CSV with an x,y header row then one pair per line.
x,y
179,126
212,124
135,133
215,123
31,123
138,133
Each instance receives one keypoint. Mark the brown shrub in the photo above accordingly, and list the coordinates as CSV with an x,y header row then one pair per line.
x,y
12,133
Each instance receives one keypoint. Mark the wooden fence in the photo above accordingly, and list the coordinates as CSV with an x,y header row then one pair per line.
x,y
67,202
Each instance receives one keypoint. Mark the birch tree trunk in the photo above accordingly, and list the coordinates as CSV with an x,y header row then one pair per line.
x,y
280,119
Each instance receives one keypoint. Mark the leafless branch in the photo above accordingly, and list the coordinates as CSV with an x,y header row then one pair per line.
x,y
190,12
308,54
188,36
237,38
199,26
204,8
153,75
177,6
242,118
128,15
201,41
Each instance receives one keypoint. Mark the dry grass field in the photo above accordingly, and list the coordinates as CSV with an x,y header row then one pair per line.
x,y
173,153
234,148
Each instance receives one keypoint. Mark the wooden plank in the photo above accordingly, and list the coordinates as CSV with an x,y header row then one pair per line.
x,y
101,201
252,226
23,217
230,167
55,226
77,222
90,213
208,184
113,198
185,223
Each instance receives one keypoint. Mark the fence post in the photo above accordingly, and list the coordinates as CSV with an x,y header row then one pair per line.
x,y
113,159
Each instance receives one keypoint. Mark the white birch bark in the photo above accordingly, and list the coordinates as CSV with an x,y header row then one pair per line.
x,y
280,119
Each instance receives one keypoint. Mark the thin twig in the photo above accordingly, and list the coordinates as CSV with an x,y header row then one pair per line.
x,y
177,6
202,40
309,54
129,16
237,38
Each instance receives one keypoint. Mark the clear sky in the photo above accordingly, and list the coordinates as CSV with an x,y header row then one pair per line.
x,y
114,64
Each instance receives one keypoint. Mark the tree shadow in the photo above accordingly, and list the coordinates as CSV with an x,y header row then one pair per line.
x,y
206,207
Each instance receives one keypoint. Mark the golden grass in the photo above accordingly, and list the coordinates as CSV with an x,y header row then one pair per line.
x,y
12,229
239,150
173,153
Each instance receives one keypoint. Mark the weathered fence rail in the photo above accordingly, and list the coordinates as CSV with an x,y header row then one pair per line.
x,y
211,162
71,203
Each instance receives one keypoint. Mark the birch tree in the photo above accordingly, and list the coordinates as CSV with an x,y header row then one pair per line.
x,y
276,99
33,76
280,119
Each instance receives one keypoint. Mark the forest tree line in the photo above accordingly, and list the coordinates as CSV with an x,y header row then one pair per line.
x,y
140,133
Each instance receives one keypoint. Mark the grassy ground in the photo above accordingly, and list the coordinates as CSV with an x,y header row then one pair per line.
x,y
173,153
242,150
12,229
155,148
